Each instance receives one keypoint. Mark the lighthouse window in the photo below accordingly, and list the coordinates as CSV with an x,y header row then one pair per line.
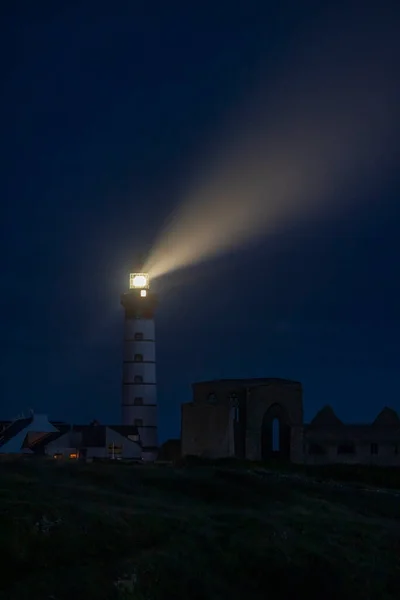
x,y
138,379
138,358
138,422
138,402
138,336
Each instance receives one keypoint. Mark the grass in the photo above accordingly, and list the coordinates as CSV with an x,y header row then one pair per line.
x,y
205,530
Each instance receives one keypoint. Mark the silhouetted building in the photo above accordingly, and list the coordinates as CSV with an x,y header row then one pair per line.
x,y
36,435
259,419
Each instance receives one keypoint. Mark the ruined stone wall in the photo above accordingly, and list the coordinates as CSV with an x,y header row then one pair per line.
x,y
386,456
207,430
297,445
260,399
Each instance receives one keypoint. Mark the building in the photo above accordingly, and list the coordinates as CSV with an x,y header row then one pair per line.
x,y
36,435
16,436
139,389
260,419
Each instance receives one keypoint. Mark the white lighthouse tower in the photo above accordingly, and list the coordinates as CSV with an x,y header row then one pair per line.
x,y
139,390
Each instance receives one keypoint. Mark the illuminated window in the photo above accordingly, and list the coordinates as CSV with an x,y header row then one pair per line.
x,y
138,422
138,358
138,402
73,455
138,280
138,336
143,293
138,379
58,455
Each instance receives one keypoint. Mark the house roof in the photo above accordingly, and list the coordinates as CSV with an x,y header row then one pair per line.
x,y
125,430
326,418
387,418
93,436
14,429
39,445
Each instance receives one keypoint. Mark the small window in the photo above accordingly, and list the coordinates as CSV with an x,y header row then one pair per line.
x,y
374,448
138,422
346,449
138,358
138,402
138,379
138,336
212,398
234,400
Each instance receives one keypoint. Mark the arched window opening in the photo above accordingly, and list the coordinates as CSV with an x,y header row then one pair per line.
x,y
275,435
234,402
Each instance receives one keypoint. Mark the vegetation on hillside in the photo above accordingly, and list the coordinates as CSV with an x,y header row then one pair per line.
x,y
211,531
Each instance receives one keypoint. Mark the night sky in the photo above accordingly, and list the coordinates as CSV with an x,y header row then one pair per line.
x,y
107,111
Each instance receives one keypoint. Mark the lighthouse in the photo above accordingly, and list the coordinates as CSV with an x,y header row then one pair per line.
x,y
139,390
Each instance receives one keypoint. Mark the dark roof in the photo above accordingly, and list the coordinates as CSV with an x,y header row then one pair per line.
x,y
13,429
39,446
125,430
387,418
326,418
93,436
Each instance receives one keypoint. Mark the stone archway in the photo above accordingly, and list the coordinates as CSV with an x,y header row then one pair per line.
x,y
275,434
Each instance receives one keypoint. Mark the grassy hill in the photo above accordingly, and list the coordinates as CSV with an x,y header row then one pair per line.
x,y
212,531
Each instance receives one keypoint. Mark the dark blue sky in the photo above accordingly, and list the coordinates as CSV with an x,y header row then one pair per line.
x,y
105,115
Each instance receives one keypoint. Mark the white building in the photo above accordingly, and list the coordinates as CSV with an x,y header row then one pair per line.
x,y
139,386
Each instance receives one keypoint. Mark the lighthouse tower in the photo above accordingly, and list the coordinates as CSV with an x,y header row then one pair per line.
x,y
139,391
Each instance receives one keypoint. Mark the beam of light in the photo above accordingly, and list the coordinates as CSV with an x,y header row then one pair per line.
x,y
326,127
